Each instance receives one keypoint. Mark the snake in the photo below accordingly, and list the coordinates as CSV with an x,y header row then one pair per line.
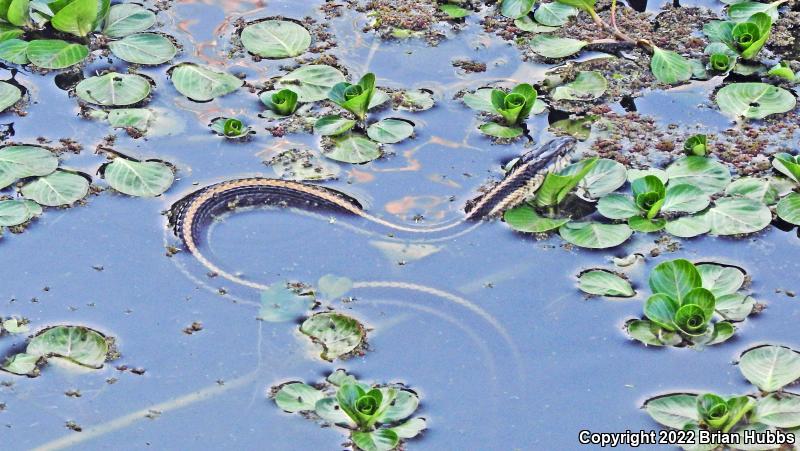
x,y
189,215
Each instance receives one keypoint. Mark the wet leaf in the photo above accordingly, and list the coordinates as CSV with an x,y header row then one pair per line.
x,y
328,409
276,39
202,83
634,174
410,428
500,131
742,11
55,53
230,127
337,334
769,367
674,411
735,307
354,149
721,280
417,100
58,188
525,23
683,198
645,225
18,162
480,100
618,206
651,334
604,283
689,226
13,326
138,118
390,131
753,188
554,14
595,235
708,175
781,411
670,67
737,216
16,212
454,11
138,178
22,364
789,209
754,100
554,47
279,304
514,9
126,19
76,344
113,89
297,397
311,83
379,440
675,278
605,177
333,125
586,86
144,48
525,219
80,17
9,95
14,51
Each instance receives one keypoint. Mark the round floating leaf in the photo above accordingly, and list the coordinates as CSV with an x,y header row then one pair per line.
x,y
76,344
720,280
789,209
410,428
138,178
275,39
689,226
603,178
354,149
58,188
586,86
279,303
554,14
604,283
337,334
669,67
753,188
202,83
594,235
114,89
9,95
618,206
417,100
754,100
651,334
79,17
378,440
22,364
334,287
144,48
328,409
379,97
634,174
735,307
525,219
701,172
642,224
769,367
18,162
405,402
390,131
781,411
138,118
311,83
675,279
454,11
480,100
500,131
126,19
683,198
514,9
297,397
742,11
333,125
674,411
55,53
720,333
733,216
16,212
553,47
14,51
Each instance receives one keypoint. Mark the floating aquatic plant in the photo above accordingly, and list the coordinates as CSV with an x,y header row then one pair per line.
x,y
282,103
512,108
374,416
76,345
696,145
230,127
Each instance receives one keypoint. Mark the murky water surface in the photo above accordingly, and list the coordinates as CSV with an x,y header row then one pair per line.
x,y
541,364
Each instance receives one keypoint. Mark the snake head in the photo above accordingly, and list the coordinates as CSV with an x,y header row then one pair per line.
x,y
551,156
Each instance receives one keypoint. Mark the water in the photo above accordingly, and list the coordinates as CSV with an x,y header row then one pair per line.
x,y
525,365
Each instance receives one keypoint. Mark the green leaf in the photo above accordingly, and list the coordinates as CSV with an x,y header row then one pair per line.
x,y
329,410
733,216
16,212
138,118
14,51
661,310
390,131
282,103
753,188
769,367
114,89
753,34
554,14
144,48
585,5
754,100
59,188
556,187
480,100
787,165
648,184
788,209
696,145
713,410
555,47
744,10
230,127
651,334
683,198
735,307
76,344
720,280
675,279
720,333
720,31
525,23
782,70
525,219
13,326
416,100
126,19
9,95
138,178
311,83
689,226
603,178
708,175
580,128
634,174
279,304
500,131
781,411
202,83
22,364
55,54
18,162
379,440
80,17
604,283
347,396
354,149
702,298
355,98
673,411
618,206
670,67
645,225
594,235
514,9
337,334
275,39
410,428
454,11
586,86
297,397
333,125
18,13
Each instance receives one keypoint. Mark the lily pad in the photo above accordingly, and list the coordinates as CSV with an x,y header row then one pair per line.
x,y
769,367
202,83
18,162
618,206
670,67
708,175
76,344
721,280
595,235
275,39
754,100
337,334
514,9
554,14
588,85
500,131
311,83
14,51
788,209
604,283
554,47
753,188
354,149
781,411
138,178
333,125
733,216
22,364
674,411
689,226
114,89
279,304
9,95
126,19
144,48
16,212
378,440
297,397
138,118
605,177
525,219
59,188
55,53
390,131
683,198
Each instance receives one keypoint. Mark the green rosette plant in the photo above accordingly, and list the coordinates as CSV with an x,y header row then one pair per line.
x,y
696,145
514,106
282,103
230,127
788,208
354,98
750,36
